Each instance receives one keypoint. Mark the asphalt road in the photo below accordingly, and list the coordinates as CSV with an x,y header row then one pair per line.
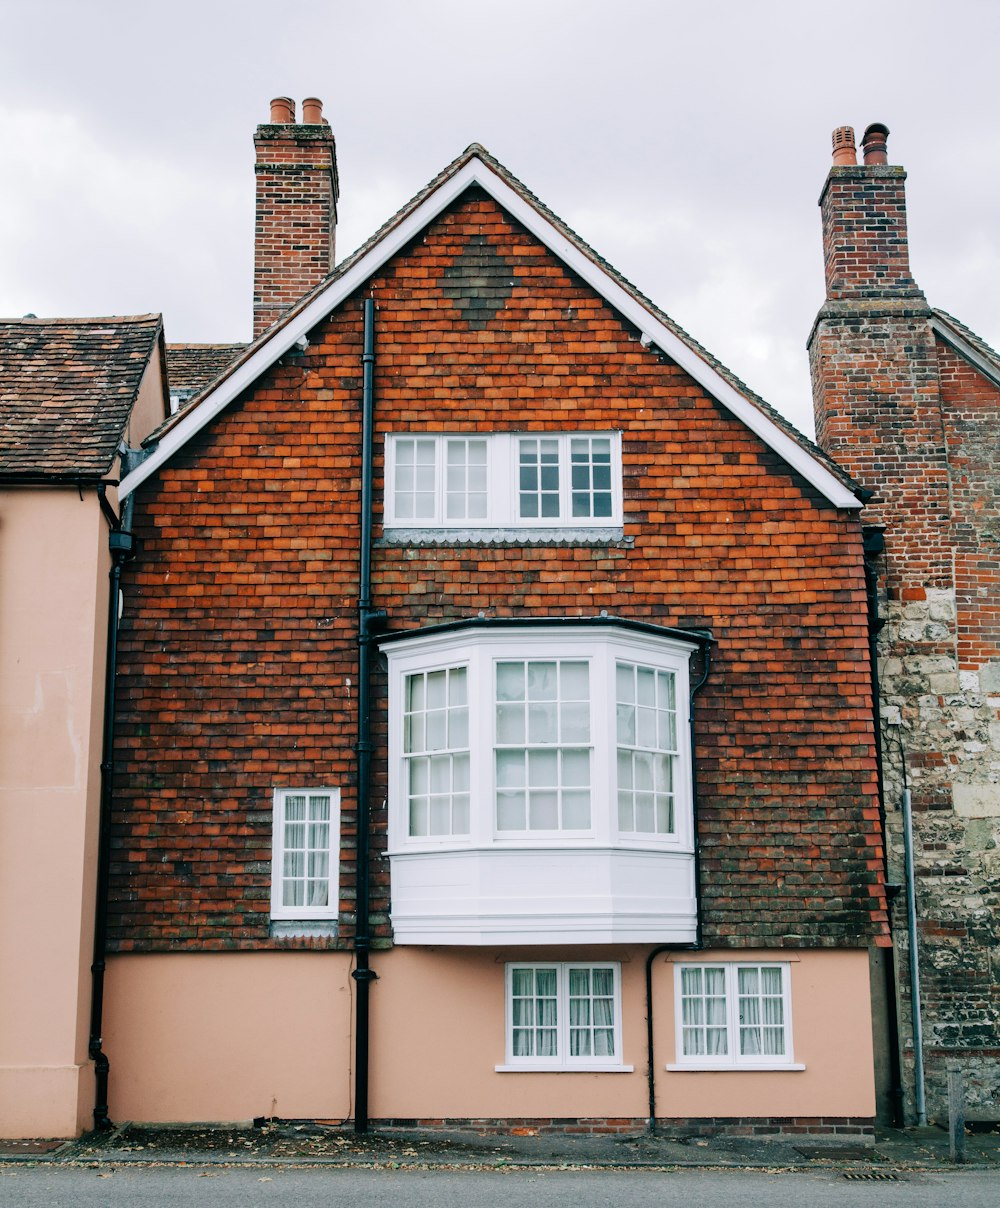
x,y
163,1186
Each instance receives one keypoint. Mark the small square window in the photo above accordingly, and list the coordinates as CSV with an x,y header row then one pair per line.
x,y
563,1016
304,864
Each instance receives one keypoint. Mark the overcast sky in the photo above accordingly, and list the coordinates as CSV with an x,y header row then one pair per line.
x,y
687,142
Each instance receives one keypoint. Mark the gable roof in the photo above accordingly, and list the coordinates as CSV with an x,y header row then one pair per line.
x,y
67,388
476,167
967,344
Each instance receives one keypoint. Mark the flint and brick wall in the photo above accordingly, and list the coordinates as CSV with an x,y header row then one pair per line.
x,y
915,422
238,651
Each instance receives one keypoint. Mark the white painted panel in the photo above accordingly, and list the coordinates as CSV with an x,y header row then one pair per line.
x,y
585,896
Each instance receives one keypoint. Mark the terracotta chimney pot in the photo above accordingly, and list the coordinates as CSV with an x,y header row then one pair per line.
x,y
873,144
312,111
282,111
844,150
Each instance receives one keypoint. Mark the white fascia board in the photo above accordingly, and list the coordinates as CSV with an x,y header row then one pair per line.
x,y
966,350
477,172
321,306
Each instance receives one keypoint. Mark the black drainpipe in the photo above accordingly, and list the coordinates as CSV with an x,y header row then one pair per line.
x,y
363,975
122,546
698,942
874,544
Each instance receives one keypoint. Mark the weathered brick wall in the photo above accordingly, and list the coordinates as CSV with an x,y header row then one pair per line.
x,y
238,650
296,216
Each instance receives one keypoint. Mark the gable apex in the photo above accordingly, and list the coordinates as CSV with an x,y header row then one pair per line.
x,y
477,167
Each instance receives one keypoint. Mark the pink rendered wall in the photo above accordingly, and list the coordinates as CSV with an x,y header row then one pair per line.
x,y
151,405
832,1035
231,1036
53,593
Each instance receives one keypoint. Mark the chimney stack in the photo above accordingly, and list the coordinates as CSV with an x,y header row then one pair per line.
x,y
297,191
864,222
871,350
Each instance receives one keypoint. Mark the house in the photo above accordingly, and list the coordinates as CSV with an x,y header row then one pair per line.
x,y
75,394
907,398
495,737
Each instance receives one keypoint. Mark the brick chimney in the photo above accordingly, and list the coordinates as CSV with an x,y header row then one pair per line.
x,y
876,392
297,191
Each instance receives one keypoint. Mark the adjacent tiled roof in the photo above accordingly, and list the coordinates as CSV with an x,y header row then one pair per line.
x,y
67,387
969,336
191,367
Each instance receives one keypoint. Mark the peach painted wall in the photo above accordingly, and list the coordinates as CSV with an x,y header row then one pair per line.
x,y
832,1037
152,406
229,1036
235,1035
53,594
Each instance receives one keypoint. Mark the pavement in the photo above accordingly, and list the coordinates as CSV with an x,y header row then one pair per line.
x,y
287,1143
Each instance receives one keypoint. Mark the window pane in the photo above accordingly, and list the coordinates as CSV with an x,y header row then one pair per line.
x,y
511,769
414,483
437,721
646,737
465,479
576,811
538,478
543,811
511,811
541,705
703,1012
510,681
761,1011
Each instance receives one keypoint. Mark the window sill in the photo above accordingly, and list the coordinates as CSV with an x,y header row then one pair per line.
x,y
564,535
303,928
576,1068
703,1067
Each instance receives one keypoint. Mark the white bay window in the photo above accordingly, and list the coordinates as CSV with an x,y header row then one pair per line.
x,y
539,783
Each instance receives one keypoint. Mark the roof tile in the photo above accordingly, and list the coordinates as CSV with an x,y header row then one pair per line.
x,y
67,387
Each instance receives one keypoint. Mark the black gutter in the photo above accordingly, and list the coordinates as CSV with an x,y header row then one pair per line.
x,y
700,637
362,973
699,940
121,543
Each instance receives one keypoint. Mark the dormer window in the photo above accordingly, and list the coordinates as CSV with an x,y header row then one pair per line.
x,y
503,481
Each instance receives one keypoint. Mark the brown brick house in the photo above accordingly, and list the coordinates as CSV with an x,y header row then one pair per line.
x,y
494,682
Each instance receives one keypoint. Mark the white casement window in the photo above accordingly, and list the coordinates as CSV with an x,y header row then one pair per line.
x,y
503,480
304,865
563,1016
542,745
733,1016
502,735
647,748
436,751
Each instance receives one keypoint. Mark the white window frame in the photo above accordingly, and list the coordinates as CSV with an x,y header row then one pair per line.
x,y
279,910
733,1059
502,489
563,1061
479,650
